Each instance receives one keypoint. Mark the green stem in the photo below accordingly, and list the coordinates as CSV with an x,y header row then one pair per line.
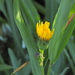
x,y
49,69
42,70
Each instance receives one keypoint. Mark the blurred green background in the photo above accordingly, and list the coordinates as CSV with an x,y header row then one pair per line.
x,y
13,50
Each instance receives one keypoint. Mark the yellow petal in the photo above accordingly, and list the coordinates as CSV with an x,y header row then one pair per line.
x,y
43,30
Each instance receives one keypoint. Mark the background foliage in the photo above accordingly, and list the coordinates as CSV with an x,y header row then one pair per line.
x,y
18,36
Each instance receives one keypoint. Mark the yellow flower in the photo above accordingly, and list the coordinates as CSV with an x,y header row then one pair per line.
x,y
43,30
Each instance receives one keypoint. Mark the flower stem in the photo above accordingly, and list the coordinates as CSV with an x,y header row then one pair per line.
x,y
42,70
49,69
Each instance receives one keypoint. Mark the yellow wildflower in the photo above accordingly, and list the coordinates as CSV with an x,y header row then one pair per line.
x,y
43,30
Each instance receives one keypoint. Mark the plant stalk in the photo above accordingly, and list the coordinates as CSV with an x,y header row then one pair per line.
x,y
49,69
42,70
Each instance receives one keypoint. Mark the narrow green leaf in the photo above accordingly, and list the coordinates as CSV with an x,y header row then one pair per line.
x,y
39,7
3,63
61,60
2,7
30,11
14,61
65,38
51,9
71,47
70,62
64,71
1,4
27,21
13,58
28,39
56,44
16,35
1,59
67,33
5,67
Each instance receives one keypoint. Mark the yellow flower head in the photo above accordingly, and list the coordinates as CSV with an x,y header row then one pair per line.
x,y
43,30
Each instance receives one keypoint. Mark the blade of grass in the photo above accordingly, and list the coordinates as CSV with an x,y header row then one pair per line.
x,y
27,21
5,67
58,42
71,47
28,39
51,8
2,8
60,20
65,38
14,61
39,7
64,71
68,31
61,60
1,59
70,61
30,11
16,35
2,62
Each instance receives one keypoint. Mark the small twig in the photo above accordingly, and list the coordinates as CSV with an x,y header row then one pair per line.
x,y
20,68
70,19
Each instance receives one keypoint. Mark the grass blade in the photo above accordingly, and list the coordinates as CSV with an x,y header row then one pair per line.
x,y
5,67
70,61
28,39
56,44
